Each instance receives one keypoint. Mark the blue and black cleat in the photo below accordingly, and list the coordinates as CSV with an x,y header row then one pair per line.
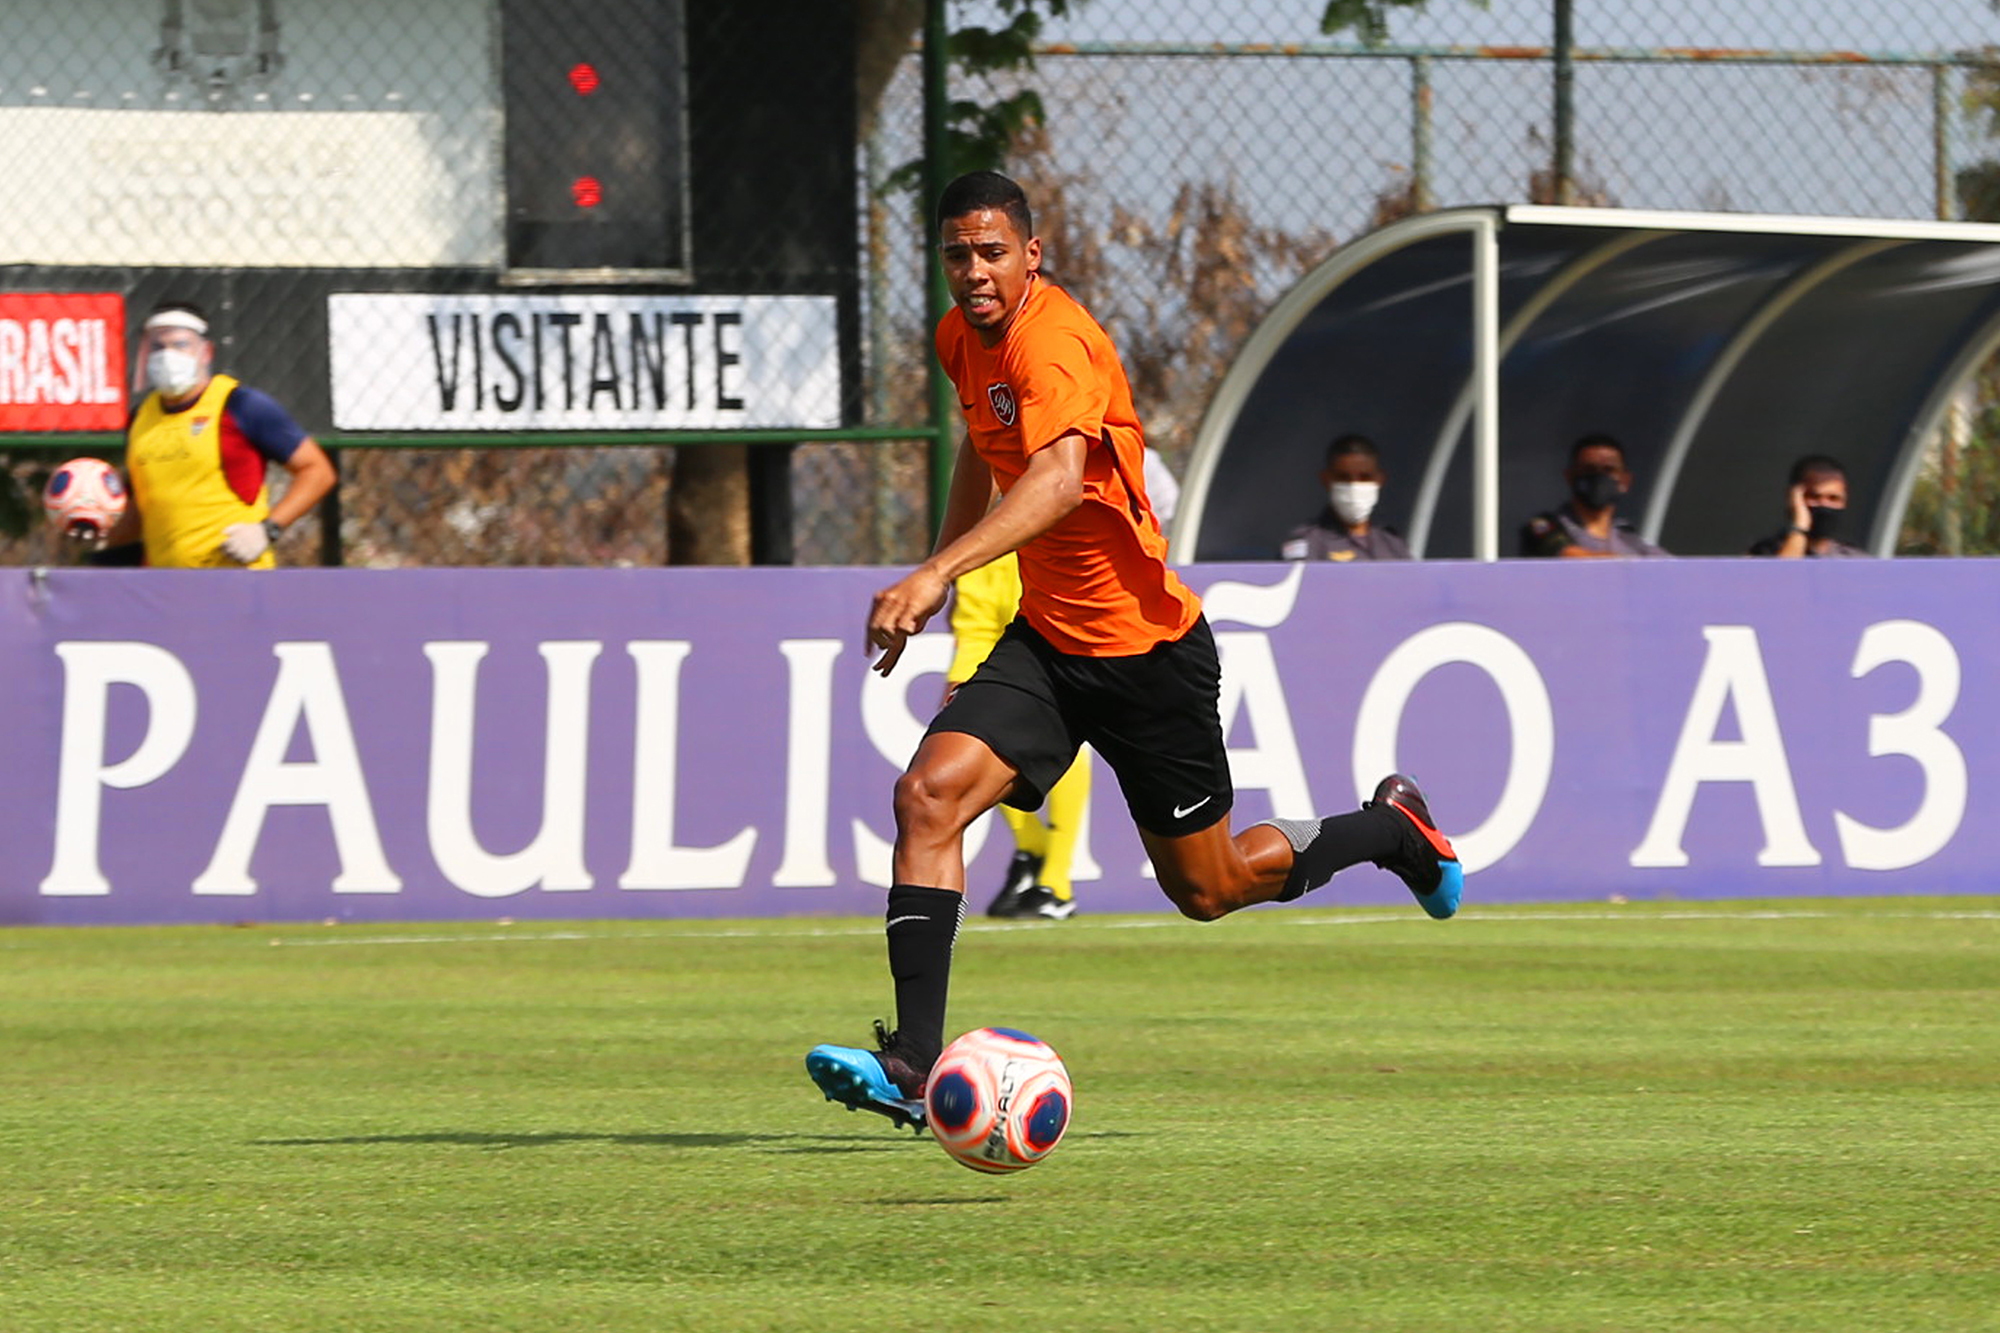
x,y
881,1080
1427,864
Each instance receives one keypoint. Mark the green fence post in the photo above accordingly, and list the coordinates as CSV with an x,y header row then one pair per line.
x,y
1422,196
1565,105
944,402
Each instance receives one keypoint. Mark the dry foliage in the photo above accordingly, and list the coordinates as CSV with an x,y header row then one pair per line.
x,y
1178,291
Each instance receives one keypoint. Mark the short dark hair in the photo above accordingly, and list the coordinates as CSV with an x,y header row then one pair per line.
x,y
1597,439
1816,465
1351,444
977,190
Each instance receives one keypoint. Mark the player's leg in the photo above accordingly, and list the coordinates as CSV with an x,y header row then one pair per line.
x,y
953,779
1159,729
1209,873
1420,855
1024,868
1000,735
1054,895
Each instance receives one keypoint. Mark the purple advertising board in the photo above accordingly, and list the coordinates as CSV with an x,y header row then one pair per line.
x,y
472,744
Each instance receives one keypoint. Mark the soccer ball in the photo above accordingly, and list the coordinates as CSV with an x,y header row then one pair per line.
x,y
84,498
998,1100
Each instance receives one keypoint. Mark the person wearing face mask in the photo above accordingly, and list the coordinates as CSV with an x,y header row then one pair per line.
x,y
1815,506
1345,529
1587,525
196,450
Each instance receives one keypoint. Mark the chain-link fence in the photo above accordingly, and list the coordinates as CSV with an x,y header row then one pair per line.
x,y
626,283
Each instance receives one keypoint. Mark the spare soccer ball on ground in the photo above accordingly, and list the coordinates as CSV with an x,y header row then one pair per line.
x,y
998,1100
84,498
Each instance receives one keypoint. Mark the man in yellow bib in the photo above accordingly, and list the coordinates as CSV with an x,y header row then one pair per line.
x,y
196,451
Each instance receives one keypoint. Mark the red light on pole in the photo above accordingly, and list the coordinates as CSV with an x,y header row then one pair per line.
x,y
587,191
583,78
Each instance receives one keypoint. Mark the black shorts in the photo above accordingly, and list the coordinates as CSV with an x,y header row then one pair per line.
x,y
1154,717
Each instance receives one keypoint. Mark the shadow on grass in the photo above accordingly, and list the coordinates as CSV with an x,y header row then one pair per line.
x,y
785,1143
487,1139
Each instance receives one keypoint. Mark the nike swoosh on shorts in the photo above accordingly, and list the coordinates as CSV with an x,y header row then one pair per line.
x,y
1183,813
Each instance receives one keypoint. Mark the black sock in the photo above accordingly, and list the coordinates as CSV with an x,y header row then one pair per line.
x,y
922,925
1322,847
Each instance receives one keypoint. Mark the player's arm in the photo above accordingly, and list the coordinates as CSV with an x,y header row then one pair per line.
x,y
1048,492
970,496
124,545
271,431
1050,488
1798,537
312,476
129,528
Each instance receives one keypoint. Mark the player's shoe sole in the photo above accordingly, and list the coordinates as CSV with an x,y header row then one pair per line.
x,y
1431,868
855,1078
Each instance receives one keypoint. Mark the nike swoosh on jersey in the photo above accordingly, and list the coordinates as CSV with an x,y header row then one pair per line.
x,y
1181,812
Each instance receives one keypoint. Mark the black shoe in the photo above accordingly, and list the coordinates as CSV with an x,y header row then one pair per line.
x,y
1041,901
1022,872
1426,861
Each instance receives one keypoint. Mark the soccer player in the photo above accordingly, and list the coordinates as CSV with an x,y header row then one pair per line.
x,y
197,449
1110,649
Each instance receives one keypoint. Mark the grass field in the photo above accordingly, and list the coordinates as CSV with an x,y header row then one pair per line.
x,y
1618,1118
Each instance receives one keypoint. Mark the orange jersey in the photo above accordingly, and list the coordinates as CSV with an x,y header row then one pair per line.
x,y
1097,583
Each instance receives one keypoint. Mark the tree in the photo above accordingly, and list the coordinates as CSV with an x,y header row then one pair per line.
x,y
982,135
1955,504
1368,19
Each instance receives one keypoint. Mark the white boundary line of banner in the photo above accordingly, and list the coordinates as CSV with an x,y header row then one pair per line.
x,y
1528,917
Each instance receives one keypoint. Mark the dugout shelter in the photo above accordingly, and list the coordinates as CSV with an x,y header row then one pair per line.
x,y
1475,345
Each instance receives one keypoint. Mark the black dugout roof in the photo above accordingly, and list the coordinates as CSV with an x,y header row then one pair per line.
x,y
1717,348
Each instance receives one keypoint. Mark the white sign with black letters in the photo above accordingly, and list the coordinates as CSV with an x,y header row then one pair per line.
x,y
427,362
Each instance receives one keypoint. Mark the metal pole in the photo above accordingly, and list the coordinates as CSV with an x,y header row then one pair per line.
x,y
1565,106
331,552
1941,141
944,403
1486,375
1951,514
1951,509
883,500
1422,196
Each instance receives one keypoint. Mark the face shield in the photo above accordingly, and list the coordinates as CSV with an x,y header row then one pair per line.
x,y
174,354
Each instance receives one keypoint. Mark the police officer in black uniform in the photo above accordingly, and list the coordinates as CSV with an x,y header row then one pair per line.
x,y
1587,524
1345,529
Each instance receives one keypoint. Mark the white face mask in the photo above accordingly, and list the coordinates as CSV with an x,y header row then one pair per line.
x,y
173,372
1353,501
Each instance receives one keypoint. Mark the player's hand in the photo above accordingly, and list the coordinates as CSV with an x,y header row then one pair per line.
x,y
244,542
902,610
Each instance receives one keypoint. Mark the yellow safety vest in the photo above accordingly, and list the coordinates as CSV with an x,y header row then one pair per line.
x,y
185,501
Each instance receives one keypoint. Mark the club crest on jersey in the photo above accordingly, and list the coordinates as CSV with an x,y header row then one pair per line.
x,y
1002,398
198,425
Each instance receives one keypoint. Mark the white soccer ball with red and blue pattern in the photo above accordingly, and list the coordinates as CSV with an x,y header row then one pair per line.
x,y
84,497
998,1100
